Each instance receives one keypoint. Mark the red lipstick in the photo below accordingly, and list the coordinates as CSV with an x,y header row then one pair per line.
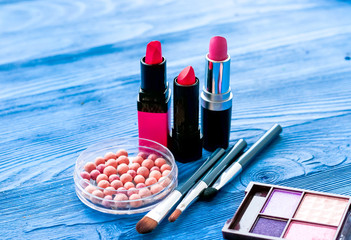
x,y
216,96
186,144
154,96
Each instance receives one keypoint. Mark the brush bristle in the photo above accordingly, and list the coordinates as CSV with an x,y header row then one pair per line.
x,y
174,215
208,194
146,225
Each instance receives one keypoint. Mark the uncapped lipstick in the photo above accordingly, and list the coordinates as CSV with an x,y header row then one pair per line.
x,y
154,96
186,139
216,96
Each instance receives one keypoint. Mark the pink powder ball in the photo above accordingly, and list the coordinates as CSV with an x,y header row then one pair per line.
x,y
94,174
132,173
90,189
132,191
142,155
109,170
164,181
101,167
156,188
155,174
139,179
138,160
99,194
134,166
104,184
145,192
129,185
101,177
134,203
122,152
165,167
123,159
113,177
152,156
109,191
120,200
85,183
150,181
85,175
122,190
99,160
155,168
140,185
116,184
123,168
165,173
160,161
110,155
90,166
144,171
111,162
126,178
107,201
148,163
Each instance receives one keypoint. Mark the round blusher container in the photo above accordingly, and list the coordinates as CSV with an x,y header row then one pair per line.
x,y
89,193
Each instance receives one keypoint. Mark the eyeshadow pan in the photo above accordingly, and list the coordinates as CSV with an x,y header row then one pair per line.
x,y
269,227
321,209
282,203
309,231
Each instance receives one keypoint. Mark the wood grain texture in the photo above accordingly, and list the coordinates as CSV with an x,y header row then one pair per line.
x,y
69,77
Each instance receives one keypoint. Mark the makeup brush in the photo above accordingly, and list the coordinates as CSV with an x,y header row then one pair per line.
x,y
208,179
242,162
150,221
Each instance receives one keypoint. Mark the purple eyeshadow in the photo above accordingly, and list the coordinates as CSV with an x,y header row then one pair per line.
x,y
282,203
269,227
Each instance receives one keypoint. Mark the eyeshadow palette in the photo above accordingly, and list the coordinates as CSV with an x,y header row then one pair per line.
x,y
276,212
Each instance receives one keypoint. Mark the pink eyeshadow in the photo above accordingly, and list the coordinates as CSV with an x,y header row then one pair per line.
x,y
321,209
309,231
282,203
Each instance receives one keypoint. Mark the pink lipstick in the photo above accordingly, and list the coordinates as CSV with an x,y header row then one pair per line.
x,y
186,144
216,96
154,96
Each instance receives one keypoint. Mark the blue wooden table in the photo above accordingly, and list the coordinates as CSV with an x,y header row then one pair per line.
x,y
69,77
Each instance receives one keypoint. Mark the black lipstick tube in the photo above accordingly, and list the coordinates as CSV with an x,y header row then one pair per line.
x,y
186,135
216,104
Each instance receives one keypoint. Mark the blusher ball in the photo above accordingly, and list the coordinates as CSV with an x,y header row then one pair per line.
x,y
139,179
109,170
116,184
85,183
99,160
164,181
123,159
144,192
165,173
165,167
132,173
155,174
111,162
134,166
90,189
160,161
103,184
120,197
97,193
150,181
85,175
135,203
132,191
94,174
140,185
138,160
113,177
129,185
122,152
107,201
90,166
144,171
142,155
126,178
156,188
152,156
122,190
148,163
110,155
101,167
155,168
123,168
101,177
109,191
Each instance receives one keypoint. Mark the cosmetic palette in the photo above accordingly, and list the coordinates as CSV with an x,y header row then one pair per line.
x,y
277,212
